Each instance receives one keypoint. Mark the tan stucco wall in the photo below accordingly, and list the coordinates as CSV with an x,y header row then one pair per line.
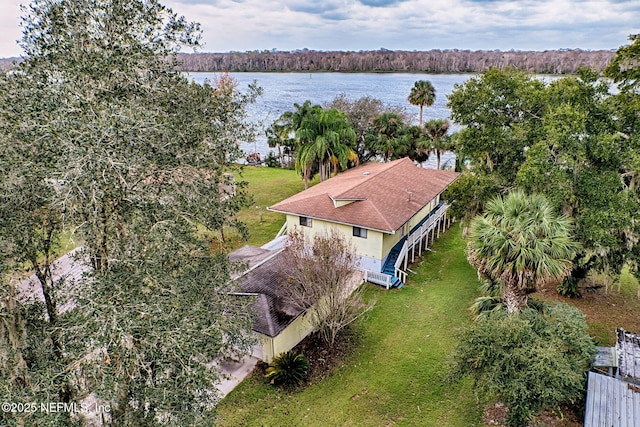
x,y
287,339
370,247
376,246
422,213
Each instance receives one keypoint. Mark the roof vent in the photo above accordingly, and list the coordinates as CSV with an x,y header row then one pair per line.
x,y
366,173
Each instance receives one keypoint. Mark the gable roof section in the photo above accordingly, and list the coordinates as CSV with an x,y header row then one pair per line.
x,y
272,314
382,196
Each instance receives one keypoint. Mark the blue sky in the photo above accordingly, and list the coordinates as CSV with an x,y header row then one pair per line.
x,y
242,25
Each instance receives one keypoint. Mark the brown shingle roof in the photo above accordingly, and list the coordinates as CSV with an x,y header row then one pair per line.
x,y
272,314
385,195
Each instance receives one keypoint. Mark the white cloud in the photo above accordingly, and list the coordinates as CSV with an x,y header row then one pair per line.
x,y
242,25
10,30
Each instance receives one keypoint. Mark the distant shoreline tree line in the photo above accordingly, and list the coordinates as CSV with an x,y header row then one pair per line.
x,y
564,61
432,61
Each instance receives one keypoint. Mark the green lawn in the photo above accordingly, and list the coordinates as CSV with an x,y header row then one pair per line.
x,y
396,374
267,186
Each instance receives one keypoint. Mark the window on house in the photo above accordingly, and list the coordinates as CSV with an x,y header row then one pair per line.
x,y
360,232
305,221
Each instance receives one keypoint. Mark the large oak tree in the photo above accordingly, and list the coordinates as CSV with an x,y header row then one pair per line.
x,y
110,143
567,138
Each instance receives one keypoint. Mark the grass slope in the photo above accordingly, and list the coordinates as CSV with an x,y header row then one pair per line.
x,y
396,375
267,186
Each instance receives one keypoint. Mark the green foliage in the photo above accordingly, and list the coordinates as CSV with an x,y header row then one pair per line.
x,y
469,193
279,135
624,68
569,287
521,243
529,361
325,139
422,94
386,136
569,139
361,114
288,369
345,133
272,161
94,140
498,111
437,140
319,138
30,369
492,301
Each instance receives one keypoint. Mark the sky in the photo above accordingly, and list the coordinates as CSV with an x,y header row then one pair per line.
x,y
285,25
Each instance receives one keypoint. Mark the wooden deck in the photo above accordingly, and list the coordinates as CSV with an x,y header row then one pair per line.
x,y
394,270
611,402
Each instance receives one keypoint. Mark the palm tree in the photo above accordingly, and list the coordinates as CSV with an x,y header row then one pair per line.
x,y
278,136
522,244
325,138
436,131
422,93
387,133
295,118
285,128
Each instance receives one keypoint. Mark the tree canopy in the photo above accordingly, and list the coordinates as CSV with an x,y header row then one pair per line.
x,y
437,139
521,244
130,159
529,360
568,138
325,138
422,94
361,113
623,69
345,133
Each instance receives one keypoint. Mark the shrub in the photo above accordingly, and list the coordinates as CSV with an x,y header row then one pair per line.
x,y
528,360
569,288
272,161
288,369
322,278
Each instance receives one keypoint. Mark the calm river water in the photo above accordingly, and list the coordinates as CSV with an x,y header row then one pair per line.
x,y
282,90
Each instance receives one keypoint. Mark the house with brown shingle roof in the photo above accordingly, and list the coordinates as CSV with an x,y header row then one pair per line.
x,y
279,326
389,211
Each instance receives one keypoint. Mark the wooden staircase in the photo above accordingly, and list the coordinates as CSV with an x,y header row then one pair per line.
x,y
393,273
389,266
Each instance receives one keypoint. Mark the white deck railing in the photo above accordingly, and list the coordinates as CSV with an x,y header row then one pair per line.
x,y
415,239
377,278
283,230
